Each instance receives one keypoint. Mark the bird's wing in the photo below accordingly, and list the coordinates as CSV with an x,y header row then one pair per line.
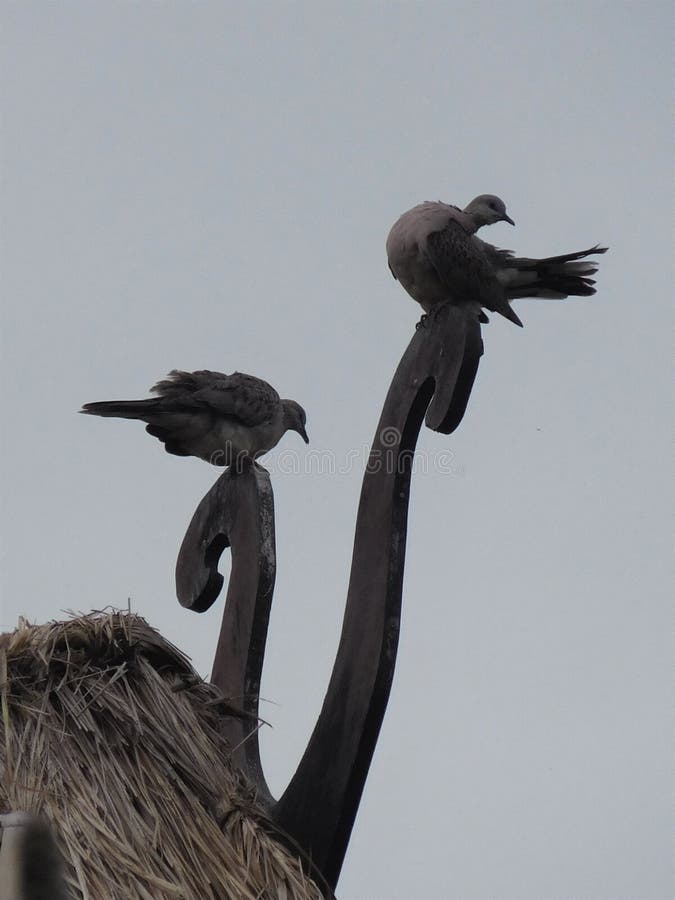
x,y
411,228
494,255
249,400
468,267
462,264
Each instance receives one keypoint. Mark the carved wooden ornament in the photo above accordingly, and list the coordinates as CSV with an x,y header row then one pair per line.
x,y
316,812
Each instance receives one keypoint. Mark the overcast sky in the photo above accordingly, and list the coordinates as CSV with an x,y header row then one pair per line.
x,y
210,185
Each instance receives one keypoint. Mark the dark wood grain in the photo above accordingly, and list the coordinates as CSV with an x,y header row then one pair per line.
x,y
238,512
317,810
321,801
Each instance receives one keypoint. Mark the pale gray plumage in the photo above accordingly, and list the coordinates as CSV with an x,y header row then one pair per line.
x,y
434,252
218,418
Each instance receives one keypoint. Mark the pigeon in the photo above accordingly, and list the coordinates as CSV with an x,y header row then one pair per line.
x,y
222,419
434,252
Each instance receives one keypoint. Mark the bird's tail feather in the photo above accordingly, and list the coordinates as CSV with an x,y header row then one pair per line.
x,y
122,409
556,276
508,313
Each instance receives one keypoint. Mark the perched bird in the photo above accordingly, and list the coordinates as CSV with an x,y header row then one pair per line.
x,y
221,419
435,254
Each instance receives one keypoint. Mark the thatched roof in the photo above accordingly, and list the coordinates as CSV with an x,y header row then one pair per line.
x,y
110,734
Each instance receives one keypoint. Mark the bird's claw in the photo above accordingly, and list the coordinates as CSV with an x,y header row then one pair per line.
x,y
429,317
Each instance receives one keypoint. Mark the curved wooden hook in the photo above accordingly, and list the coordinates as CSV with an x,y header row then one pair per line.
x,y
238,512
318,808
320,804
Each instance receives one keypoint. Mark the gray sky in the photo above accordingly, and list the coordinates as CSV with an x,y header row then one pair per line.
x,y
210,185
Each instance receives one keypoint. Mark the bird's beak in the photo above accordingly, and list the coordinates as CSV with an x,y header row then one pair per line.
x,y
303,434
508,219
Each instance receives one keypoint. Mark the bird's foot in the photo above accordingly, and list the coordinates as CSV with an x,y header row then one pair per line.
x,y
437,307
429,317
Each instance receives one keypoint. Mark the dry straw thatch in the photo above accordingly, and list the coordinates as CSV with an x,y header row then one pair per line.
x,y
110,734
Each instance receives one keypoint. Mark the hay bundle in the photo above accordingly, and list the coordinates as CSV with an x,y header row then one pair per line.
x,y
110,734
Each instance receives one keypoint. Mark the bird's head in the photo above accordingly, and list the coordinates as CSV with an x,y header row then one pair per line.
x,y
295,418
488,209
